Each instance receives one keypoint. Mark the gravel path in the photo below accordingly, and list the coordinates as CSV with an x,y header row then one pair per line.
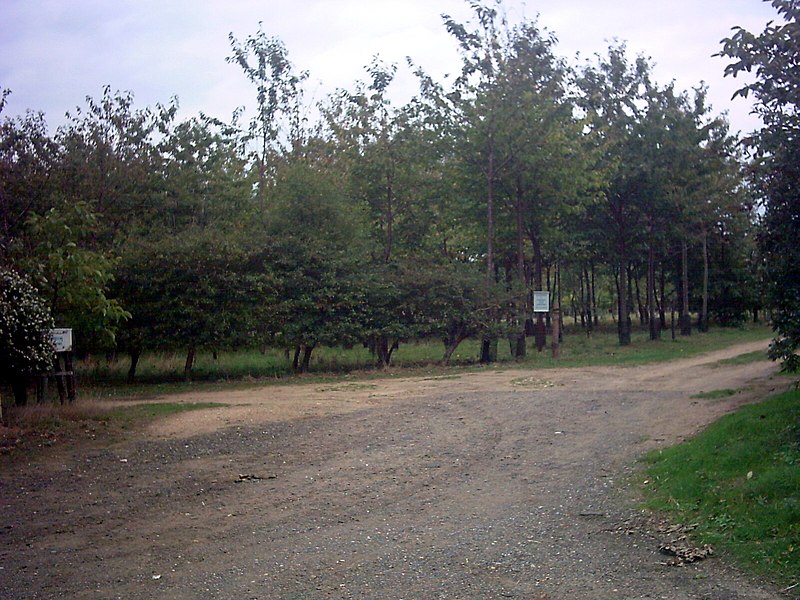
x,y
493,485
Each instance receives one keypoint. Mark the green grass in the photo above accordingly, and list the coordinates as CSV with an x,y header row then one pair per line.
x,y
740,482
160,373
745,359
603,348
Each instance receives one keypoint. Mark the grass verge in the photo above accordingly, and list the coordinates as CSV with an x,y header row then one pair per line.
x,y
739,481
744,359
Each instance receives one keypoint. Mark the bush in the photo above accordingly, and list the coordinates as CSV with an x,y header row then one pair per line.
x,y
25,321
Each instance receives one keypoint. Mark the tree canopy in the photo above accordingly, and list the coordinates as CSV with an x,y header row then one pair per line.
x,y
364,221
773,56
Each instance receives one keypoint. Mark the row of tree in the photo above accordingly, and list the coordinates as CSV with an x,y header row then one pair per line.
x,y
360,221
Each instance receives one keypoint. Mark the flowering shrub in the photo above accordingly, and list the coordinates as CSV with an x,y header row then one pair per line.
x,y
25,321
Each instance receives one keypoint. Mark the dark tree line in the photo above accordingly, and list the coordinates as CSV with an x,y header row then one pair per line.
x,y
377,223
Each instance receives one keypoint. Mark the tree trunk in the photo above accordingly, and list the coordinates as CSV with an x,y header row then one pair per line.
x,y
631,304
540,332
596,315
487,356
641,308
549,289
455,336
623,324
558,302
582,297
521,348
488,349
135,355
704,311
662,307
672,320
686,319
590,318
384,351
522,303
651,290
19,387
187,368
307,350
296,358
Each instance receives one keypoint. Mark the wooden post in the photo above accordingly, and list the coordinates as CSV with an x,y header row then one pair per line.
x,y
70,376
556,320
60,378
41,388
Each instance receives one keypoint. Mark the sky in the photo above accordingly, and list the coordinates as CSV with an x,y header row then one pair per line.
x,y
55,53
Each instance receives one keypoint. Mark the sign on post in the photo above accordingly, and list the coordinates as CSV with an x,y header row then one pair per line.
x,y
62,339
541,302
62,367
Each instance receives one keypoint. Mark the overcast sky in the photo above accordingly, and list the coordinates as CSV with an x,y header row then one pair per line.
x,y
54,53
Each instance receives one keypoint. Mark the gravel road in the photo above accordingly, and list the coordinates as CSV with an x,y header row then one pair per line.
x,y
496,484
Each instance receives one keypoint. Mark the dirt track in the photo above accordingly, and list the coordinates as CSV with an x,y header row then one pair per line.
x,y
488,485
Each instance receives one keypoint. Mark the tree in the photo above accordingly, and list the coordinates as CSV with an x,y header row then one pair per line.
x,y
314,242
204,176
507,74
204,289
25,321
277,122
71,277
111,161
544,181
453,303
612,96
774,57
683,160
28,156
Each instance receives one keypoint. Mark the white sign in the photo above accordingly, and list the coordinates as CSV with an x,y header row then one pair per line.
x,y
62,339
541,302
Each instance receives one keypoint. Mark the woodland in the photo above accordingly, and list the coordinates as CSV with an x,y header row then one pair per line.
x,y
356,220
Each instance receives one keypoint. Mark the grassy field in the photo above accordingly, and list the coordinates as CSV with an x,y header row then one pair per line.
x,y
739,481
163,372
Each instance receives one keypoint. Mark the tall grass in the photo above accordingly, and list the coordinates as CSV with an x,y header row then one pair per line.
x,y
577,349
